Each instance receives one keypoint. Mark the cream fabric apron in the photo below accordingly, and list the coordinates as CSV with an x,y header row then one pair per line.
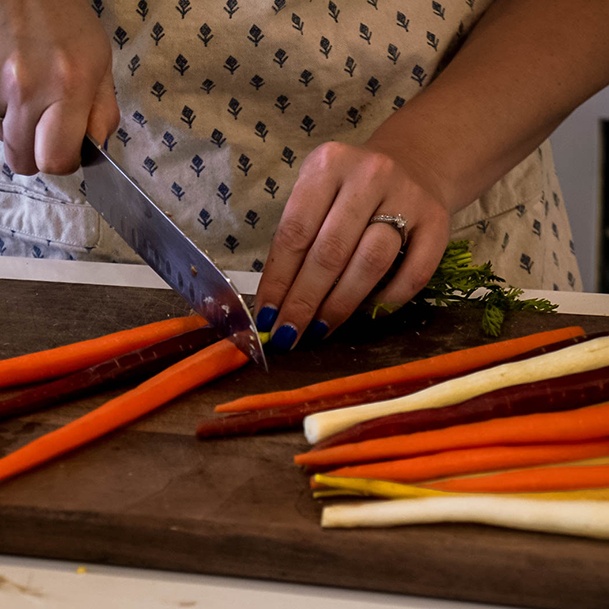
x,y
222,100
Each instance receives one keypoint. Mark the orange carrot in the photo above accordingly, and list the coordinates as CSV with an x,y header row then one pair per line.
x,y
474,461
582,424
209,363
530,480
446,364
51,363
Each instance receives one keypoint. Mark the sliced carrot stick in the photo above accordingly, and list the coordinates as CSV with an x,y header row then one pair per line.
x,y
530,480
582,424
446,364
51,363
585,356
134,367
209,363
474,461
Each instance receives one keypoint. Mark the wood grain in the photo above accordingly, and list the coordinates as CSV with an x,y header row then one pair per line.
x,y
152,495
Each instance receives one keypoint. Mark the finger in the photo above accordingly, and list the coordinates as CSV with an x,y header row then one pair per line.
x,y
326,260
426,246
2,115
19,118
59,136
296,231
378,248
18,133
105,114
63,125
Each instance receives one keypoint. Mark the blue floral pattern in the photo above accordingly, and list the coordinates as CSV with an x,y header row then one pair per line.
x,y
222,100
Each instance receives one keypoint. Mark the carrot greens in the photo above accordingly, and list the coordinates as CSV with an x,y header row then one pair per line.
x,y
457,281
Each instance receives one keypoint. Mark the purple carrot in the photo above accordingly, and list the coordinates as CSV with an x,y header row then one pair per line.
x,y
137,364
549,395
291,416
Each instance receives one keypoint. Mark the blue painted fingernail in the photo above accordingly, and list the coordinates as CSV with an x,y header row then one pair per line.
x,y
316,331
266,318
284,338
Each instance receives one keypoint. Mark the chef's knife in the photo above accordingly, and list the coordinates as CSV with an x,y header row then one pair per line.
x,y
155,237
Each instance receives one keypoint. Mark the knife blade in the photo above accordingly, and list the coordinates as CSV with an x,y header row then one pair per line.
x,y
167,250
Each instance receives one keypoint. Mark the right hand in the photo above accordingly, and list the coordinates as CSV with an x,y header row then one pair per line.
x,y
55,83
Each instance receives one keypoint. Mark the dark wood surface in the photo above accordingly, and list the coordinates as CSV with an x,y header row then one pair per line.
x,y
152,495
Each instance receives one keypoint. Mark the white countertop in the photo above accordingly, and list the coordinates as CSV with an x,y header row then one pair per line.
x,y
31,583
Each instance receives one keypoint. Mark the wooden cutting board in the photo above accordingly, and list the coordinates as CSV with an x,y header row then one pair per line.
x,y
152,495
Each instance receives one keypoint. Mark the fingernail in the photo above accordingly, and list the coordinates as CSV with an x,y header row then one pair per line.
x,y
284,337
266,318
316,331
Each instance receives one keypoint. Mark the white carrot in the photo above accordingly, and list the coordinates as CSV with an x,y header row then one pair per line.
x,y
580,518
588,355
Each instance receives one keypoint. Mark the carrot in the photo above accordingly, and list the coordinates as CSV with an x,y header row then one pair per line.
x,y
581,518
548,395
337,486
132,366
464,461
446,364
577,358
582,424
291,416
568,477
51,363
207,364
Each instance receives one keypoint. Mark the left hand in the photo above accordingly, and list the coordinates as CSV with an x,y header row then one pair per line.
x,y
326,258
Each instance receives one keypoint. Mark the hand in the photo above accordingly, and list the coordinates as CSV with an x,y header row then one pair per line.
x,y
326,258
55,83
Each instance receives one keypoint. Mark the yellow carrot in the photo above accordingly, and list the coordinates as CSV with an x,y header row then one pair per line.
x,y
332,485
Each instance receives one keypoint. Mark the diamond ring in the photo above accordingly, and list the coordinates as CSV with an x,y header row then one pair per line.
x,y
398,222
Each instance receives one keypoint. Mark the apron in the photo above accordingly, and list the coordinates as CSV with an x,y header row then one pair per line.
x,y
222,101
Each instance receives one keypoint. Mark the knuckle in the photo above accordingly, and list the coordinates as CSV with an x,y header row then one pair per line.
x,y
18,161
418,279
293,235
17,79
63,75
53,164
331,252
324,157
67,75
338,309
374,256
21,166
300,307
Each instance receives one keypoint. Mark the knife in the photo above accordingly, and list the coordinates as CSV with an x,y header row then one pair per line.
x,y
158,240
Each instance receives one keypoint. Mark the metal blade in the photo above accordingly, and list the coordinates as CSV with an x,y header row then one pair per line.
x,y
152,234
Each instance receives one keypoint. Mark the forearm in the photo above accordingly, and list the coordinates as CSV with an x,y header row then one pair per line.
x,y
526,65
